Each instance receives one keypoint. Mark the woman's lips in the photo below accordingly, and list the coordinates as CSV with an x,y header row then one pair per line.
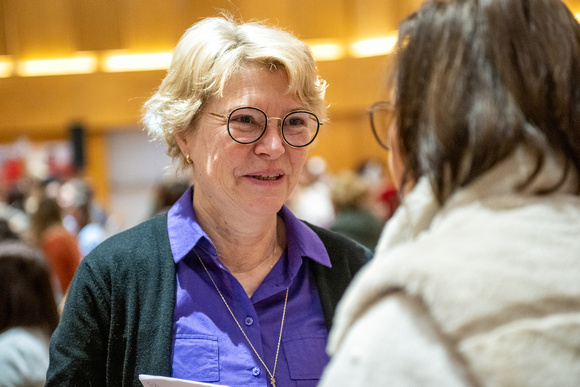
x,y
266,177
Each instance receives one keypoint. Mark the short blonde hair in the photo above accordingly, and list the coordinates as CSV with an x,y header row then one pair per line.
x,y
205,58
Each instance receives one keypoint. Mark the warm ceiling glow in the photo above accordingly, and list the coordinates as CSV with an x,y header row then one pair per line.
x,y
326,49
374,47
80,63
116,62
6,67
119,61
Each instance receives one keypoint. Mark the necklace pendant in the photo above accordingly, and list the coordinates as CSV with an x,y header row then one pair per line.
x,y
273,381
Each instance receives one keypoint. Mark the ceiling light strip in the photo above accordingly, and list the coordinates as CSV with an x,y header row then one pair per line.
x,y
116,62
6,67
81,63
373,47
122,61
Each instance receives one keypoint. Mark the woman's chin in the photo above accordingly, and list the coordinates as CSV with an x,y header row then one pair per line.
x,y
264,206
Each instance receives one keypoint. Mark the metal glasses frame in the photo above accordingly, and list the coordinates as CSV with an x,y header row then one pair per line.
x,y
280,125
379,106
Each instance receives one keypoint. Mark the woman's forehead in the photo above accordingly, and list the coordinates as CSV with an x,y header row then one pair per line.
x,y
257,85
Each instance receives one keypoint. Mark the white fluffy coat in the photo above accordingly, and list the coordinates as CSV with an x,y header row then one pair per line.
x,y
483,291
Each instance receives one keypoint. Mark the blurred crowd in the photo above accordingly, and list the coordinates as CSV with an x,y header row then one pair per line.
x,y
57,216
356,203
61,217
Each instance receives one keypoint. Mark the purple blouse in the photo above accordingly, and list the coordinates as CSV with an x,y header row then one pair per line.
x,y
208,345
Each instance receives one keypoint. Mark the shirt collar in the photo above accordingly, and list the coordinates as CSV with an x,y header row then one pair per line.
x,y
185,233
302,240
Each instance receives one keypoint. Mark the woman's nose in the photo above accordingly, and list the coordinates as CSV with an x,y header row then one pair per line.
x,y
272,142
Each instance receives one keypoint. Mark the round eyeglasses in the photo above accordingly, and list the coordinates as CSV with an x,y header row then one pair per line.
x,y
246,125
382,118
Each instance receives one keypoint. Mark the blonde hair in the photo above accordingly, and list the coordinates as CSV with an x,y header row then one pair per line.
x,y
205,58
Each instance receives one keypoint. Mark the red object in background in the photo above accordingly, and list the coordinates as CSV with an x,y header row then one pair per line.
x,y
13,170
390,198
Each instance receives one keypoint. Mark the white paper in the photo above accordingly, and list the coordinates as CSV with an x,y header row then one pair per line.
x,y
163,381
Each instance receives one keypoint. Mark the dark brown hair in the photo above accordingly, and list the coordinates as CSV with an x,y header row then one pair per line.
x,y
26,292
48,213
476,80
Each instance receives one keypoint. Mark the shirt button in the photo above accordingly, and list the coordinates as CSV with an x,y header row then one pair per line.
x,y
249,321
256,371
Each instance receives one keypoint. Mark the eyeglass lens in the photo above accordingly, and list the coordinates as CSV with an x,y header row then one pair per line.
x,y
247,125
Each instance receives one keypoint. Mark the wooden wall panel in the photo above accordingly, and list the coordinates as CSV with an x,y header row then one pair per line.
x,y
3,30
43,28
322,19
36,105
372,18
97,24
148,25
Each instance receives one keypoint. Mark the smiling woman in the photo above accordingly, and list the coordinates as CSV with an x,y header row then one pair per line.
x,y
228,287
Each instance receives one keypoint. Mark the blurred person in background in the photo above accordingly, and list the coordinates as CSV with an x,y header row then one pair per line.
x,y
166,193
475,281
228,287
6,232
90,233
28,315
310,201
83,216
384,199
350,195
59,246
12,208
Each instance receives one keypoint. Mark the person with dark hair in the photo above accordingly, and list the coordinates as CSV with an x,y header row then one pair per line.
x,y
229,286
476,278
12,208
28,315
166,193
6,232
59,246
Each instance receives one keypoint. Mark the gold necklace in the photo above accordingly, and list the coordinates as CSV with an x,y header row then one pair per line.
x,y
272,379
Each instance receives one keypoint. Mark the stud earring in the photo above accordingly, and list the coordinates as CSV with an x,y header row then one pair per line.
x,y
188,160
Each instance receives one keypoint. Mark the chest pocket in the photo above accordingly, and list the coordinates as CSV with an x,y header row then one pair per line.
x,y
306,358
197,358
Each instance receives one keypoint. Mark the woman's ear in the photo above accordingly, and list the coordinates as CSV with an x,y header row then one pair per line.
x,y
182,142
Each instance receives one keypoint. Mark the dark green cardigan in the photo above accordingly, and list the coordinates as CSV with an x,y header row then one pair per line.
x,y
118,318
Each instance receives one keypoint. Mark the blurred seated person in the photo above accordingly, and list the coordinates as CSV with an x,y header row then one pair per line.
x,y
28,315
83,216
310,201
58,245
13,209
228,287
475,281
350,197
384,199
90,233
166,193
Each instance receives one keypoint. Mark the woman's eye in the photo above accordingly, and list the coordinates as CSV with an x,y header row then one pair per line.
x,y
243,119
295,121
